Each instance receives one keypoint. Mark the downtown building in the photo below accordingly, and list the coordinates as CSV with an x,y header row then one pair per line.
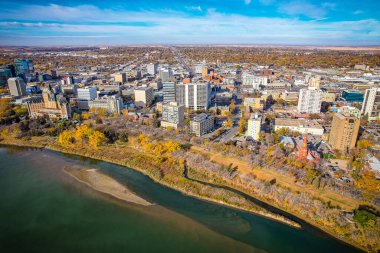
x,y
202,124
144,96
344,132
254,127
120,78
173,115
151,68
111,104
254,81
53,104
371,104
17,87
169,91
85,95
195,96
24,68
309,101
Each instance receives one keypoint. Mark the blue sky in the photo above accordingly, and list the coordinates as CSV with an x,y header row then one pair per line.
x,y
115,22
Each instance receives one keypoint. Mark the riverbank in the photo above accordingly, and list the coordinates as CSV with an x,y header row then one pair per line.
x,y
100,182
184,188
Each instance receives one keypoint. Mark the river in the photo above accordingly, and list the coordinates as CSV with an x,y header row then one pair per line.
x,y
45,210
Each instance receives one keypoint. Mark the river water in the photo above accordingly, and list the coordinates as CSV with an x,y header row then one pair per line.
x,y
45,210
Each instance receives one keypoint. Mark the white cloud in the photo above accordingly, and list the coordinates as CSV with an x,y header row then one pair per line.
x,y
168,26
296,8
247,1
194,8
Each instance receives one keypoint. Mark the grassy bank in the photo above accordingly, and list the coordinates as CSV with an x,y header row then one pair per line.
x,y
169,173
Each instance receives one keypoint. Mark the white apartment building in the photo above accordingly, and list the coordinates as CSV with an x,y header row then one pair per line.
x,y
151,69
144,96
371,104
195,96
309,101
254,81
254,127
173,115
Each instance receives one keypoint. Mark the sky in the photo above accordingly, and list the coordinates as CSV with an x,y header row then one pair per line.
x,y
116,22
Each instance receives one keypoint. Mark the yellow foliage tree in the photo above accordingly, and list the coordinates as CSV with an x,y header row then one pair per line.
x,y
85,115
229,123
83,132
96,139
66,138
172,146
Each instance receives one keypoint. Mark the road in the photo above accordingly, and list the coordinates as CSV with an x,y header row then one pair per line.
x,y
226,136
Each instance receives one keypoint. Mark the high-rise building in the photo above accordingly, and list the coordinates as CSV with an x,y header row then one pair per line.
x,y
165,74
371,104
120,78
144,96
85,95
254,81
24,68
352,96
254,127
5,74
344,132
173,115
314,82
151,68
17,86
169,91
202,124
194,95
112,104
309,101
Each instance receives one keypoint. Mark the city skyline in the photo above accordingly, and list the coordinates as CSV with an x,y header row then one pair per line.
x,y
294,22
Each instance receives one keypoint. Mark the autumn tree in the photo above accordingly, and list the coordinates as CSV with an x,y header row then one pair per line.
x,y
96,139
242,125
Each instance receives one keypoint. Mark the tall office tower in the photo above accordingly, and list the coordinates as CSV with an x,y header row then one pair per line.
x,y
24,68
173,115
169,91
254,127
120,78
5,74
17,87
144,96
152,68
371,104
254,81
344,132
165,74
85,95
194,95
314,82
309,101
